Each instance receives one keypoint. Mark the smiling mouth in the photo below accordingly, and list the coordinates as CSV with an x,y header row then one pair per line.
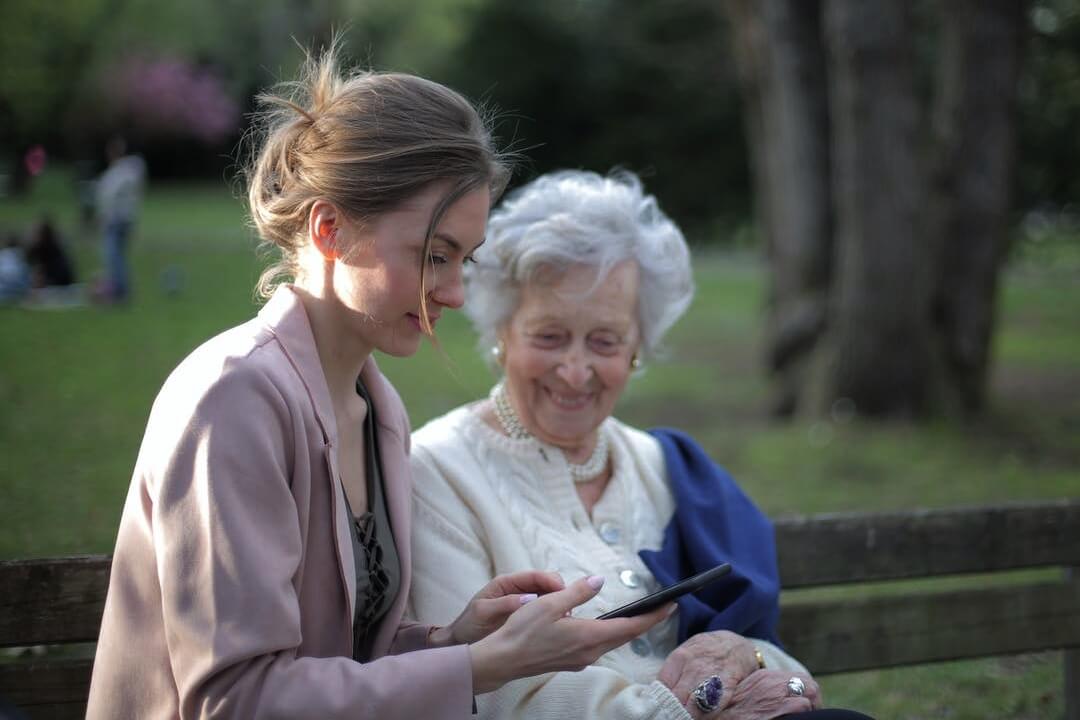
x,y
416,320
570,402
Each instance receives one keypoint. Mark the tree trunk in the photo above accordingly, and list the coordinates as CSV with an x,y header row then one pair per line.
x,y
782,74
880,335
907,251
975,131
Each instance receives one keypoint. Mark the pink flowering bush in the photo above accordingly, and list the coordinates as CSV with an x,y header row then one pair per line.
x,y
171,97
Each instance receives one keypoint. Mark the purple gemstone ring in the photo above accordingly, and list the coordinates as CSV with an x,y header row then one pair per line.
x,y
707,695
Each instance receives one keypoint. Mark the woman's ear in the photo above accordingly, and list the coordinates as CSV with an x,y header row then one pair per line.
x,y
323,222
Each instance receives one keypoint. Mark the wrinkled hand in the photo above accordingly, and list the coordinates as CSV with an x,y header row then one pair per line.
x,y
764,695
542,637
722,653
496,601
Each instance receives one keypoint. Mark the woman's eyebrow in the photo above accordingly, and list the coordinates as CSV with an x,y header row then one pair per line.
x,y
453,243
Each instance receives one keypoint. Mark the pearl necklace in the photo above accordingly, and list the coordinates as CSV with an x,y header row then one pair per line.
x,y
510,422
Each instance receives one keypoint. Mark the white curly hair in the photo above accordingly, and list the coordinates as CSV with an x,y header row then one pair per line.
x,y
575,217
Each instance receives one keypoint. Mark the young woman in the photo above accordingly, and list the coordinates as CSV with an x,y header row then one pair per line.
x,y
263,558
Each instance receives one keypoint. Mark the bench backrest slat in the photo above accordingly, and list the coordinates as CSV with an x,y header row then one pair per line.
x,y
59,600
846,548
879,632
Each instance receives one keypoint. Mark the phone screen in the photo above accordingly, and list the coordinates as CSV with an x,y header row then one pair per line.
x,y
666,595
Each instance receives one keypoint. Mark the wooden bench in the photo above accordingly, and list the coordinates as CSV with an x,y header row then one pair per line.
x,y
59,600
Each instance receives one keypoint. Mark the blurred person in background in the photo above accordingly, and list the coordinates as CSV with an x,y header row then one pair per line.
x,y
14,271
263,559
579,279
50,264
118,195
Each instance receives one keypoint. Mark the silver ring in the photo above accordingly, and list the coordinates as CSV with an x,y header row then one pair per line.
x,y
708,693
796,686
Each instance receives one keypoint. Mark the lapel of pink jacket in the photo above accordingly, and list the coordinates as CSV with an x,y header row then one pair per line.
x,y
286,318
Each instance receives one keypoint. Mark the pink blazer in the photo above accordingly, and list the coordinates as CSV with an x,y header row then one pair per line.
x,y
232,583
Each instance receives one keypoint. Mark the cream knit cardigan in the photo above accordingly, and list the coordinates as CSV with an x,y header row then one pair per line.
x,y
486,504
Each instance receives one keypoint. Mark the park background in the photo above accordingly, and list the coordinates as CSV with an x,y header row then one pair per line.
x,y
675,91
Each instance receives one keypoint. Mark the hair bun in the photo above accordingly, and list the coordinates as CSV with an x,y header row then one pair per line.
x,y
364,141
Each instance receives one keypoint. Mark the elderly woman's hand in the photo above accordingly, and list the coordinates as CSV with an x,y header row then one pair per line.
x,y
762,696
725,654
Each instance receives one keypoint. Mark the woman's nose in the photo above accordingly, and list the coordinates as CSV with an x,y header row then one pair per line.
x,y
449,290
574,369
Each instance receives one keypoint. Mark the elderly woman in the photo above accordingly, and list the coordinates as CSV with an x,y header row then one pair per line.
x,y
577,283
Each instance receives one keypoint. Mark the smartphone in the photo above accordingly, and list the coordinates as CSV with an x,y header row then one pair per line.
x,y
666,595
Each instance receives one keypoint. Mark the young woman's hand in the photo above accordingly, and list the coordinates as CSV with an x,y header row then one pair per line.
x,y
496,601
542,637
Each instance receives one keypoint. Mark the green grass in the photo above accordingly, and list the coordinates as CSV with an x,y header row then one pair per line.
x,y
76,387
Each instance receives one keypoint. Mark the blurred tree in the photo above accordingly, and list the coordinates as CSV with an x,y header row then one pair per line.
x,y
972,181
43,59
1050,108
600,84
900,283
780,53
585,82
880,320
419,36
61,64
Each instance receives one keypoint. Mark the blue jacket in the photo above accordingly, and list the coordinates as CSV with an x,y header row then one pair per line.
x,y
715,522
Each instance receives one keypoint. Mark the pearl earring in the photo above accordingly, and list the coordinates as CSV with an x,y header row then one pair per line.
x,y
635,362
498,352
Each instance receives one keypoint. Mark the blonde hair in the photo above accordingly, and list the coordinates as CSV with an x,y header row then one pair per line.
x,y
365,141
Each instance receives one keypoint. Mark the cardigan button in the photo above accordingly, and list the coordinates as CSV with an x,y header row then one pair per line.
x,y
640,646
629,578
609,532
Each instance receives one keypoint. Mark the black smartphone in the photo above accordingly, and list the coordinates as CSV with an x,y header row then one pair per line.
x,y
666,595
